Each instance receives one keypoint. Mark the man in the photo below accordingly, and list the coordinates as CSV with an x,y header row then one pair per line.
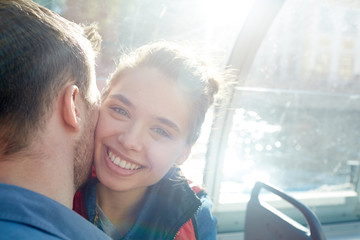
x,y
48,112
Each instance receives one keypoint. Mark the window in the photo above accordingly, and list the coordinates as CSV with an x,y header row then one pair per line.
x,y
298,129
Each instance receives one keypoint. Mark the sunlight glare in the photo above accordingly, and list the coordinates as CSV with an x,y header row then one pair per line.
x,y
227,16
254,176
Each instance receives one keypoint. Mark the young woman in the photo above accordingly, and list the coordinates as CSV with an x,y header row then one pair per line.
x,y
152,111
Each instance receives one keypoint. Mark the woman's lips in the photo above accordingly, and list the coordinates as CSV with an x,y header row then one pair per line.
x,y
118,161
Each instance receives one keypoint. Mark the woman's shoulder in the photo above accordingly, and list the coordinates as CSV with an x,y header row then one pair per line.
x,y
205,221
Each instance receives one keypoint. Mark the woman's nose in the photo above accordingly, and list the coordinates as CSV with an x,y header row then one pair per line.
x,y
131,138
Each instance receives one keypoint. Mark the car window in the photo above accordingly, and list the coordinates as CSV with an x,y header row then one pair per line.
x,y
294,119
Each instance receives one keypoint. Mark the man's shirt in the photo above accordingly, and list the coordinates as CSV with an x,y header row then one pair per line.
x,y
25,214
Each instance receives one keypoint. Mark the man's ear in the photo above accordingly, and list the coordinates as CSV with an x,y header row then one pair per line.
x,y
184,156
69,108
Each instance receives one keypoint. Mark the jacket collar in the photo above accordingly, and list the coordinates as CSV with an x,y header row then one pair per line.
x,y
168,205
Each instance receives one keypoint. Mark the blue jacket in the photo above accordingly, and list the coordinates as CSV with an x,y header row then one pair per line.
x,y
25,214
171,210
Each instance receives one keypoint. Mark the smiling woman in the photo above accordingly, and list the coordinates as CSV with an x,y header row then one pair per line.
x,y
141,140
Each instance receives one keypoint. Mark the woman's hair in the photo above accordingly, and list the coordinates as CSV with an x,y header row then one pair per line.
x,y
191,74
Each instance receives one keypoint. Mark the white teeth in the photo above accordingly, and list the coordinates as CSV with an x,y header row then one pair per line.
x,y
128,165
122,163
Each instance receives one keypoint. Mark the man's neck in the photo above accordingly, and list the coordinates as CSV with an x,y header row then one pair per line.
x,y
39,174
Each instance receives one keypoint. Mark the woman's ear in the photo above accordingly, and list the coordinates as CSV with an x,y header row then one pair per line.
x,y
70,111
184,156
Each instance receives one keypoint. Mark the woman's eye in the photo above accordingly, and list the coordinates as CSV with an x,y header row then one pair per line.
x,y
161,132
120,111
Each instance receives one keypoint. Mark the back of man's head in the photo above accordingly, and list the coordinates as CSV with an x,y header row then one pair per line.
x,y
40,52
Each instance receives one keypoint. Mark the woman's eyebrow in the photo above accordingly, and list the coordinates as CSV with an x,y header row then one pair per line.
x,y
169,123
122,99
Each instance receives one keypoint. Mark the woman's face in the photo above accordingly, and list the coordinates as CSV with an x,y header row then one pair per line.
x,y
142,131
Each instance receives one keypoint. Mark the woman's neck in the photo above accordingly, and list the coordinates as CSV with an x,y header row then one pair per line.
x,y
121,208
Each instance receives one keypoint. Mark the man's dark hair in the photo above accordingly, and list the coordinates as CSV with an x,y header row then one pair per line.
x,y
40,52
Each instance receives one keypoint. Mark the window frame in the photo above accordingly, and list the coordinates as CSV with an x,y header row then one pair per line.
x,y
333,207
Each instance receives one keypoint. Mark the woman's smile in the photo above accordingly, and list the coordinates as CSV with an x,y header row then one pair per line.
x,y
121,165
122,162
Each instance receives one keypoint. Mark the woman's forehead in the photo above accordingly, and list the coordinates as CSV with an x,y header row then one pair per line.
x,y
148,81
